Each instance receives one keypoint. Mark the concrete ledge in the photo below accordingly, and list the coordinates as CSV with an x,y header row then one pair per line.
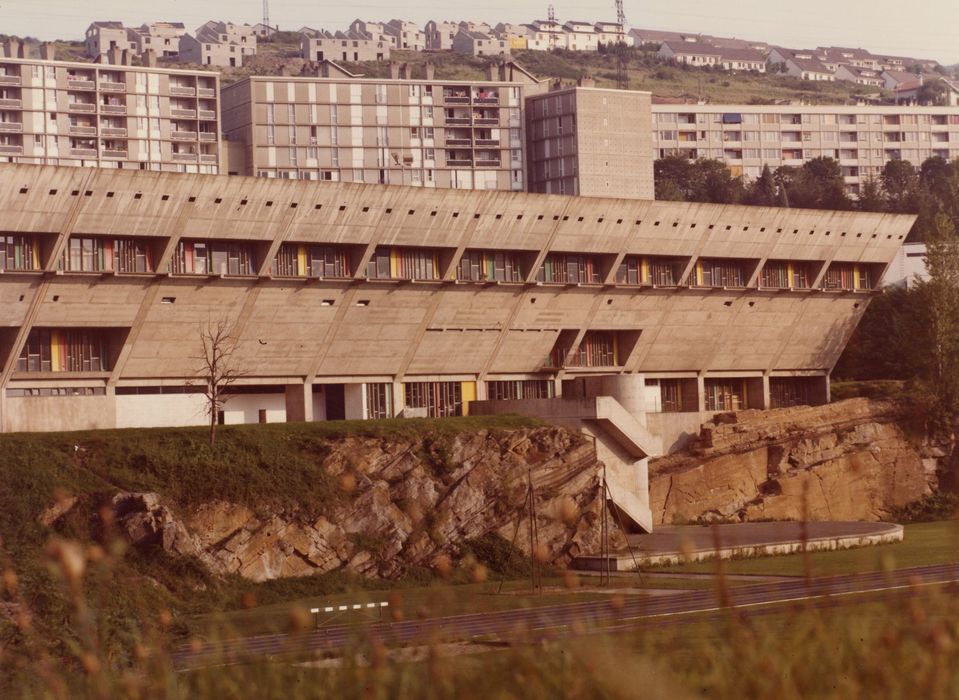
x,y
689,543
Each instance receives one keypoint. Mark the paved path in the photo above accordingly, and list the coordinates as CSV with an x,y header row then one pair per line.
x,y
558,620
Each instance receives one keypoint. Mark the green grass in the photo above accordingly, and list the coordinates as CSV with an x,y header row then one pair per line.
x,y
924,544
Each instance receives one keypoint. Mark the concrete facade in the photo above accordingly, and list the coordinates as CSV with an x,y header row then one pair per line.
x,y
590,142
100,37
419,132
477,44
908,267
344,46
161,37
407,36
109,116
378,340
862,138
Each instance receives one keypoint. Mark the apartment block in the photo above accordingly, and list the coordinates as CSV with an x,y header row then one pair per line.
x,y
862,138
408,35
404,131
351,45
590,142
108,116
161,37
100,37
219,44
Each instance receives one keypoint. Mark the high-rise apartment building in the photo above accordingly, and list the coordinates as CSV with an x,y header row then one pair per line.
x,y
590,142
862,138
403,131
108,116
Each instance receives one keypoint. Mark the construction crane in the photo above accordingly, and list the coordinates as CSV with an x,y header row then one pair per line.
x,y
622,73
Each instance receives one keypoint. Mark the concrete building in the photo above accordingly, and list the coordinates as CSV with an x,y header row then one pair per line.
x,y
862,138
590,142
581,36
100,37
364,301
908,267
403,130
440,35
690,53
477,44
161,37
219,44
375,30
321,45
109,116
408,35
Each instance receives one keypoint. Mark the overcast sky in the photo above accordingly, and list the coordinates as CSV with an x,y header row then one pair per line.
x,y
921,28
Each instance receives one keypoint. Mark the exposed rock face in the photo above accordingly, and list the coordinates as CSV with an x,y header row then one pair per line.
x,y
844,461
405,503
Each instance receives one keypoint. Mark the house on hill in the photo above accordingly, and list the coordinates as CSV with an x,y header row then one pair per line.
x,y
100,37
219,43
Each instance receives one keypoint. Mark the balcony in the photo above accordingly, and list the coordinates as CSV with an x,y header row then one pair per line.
x,y
209,158
488,100
6,102
185,157
458,161
113,132
182,91
82,130
84,152
107,86
183,113
183,136
10,150
205,92
113,109
487,142
11,127
9,79
486,121
456,99
487,163
207,114
112,153
88,107
458,120
459,142
207,136
80,84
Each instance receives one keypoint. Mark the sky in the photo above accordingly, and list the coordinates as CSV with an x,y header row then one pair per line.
x,y
922,28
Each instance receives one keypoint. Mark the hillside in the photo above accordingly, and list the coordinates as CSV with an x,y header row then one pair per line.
x,y
645,70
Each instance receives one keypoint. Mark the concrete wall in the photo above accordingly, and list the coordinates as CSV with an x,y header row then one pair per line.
x,y
55,413
245,408
160,410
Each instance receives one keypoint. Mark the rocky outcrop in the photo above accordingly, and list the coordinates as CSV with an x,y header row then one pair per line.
x,y
403,503
845,461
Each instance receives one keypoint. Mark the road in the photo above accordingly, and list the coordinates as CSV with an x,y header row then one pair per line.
x,y
614,615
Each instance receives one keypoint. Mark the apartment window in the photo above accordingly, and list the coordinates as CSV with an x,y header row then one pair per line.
x,y
569,268
213,258
440,399
782,274
301,260
403,263
270,135
598,349
720,273
789,391
725,394
124,255
519,390
270,114
19,253
490,266
61,350
379,400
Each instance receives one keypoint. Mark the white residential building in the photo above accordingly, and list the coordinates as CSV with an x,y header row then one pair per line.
x,y
408,35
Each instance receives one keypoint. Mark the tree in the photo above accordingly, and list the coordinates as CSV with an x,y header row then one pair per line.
x,y
672,174
899,182
218,370
942,290
871,196
763,192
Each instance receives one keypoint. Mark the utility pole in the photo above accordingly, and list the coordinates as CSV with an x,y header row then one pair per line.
x,y
622,73
552,27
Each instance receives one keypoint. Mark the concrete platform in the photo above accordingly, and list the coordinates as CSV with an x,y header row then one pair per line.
x,y
674,544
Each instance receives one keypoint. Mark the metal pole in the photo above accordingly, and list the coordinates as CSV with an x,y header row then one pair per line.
x,y
532,533
512,544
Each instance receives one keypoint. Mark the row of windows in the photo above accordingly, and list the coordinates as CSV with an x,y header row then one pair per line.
x,y
76,350
128,255
806,118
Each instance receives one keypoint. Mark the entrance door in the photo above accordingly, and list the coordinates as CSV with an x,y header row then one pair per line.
x,y
335,402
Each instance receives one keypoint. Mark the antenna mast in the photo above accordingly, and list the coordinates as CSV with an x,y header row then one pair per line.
x,y
552,27
622,74
266,13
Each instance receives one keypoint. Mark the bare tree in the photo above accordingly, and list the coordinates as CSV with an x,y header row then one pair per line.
x,y
218,371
